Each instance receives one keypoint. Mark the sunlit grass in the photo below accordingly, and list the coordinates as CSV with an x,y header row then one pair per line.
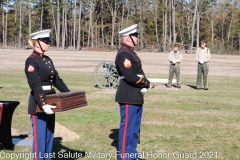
x,y
185,120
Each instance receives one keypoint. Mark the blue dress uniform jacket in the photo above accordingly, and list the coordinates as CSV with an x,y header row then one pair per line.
x,y
40,71
129,68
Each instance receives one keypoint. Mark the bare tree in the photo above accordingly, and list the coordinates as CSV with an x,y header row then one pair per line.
x,y
193,25
3,26
66,33
15,29
64,20
210,18
58,25
141,21
6,25
201,11
96,29
165,26
20,25
29,18
224,13
128,5
154,10
41,16
74,24
198,23
92,4
55,25
102,25
113,9
79,25
230,26
173,21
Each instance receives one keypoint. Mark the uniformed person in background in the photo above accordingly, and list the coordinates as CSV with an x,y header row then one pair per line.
x,y
174,57
130,92
42,78
203,55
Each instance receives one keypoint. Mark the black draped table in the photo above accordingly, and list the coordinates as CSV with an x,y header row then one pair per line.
x,y
6,112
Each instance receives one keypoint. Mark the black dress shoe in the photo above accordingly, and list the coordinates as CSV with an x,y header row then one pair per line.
x,y
205,88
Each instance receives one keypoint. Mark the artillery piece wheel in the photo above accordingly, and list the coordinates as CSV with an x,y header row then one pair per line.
x,y
106,75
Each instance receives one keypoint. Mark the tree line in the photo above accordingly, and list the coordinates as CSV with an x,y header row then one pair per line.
x,y
96,23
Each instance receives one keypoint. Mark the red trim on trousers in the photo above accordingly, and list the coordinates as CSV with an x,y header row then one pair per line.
x,y
125,132
35,139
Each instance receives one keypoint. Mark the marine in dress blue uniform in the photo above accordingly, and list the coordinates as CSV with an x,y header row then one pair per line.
x,y
129,95
42,78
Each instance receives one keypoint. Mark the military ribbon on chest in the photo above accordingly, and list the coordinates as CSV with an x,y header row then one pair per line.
x,y
127,63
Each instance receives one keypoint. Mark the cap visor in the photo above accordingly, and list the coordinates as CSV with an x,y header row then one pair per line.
x,y
135,33
47,39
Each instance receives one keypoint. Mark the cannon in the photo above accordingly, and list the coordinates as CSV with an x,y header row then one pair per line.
x,y
106,75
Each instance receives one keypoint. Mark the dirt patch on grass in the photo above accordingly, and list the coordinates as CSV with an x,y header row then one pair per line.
x,y
64,133
60,132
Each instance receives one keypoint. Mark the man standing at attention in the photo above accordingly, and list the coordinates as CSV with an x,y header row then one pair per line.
x,y
203,55
129,95
174,57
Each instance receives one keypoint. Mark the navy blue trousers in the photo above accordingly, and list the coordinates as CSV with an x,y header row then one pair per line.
x,y
131,116
43,134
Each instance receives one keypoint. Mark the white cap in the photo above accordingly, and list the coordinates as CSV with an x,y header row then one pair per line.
x,y
41,34
129,30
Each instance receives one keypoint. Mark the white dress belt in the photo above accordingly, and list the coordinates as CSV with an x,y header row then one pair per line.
x,y
48,87
139,75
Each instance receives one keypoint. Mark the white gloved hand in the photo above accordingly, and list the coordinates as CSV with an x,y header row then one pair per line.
x,y
144,90
48,108
201,62
174,62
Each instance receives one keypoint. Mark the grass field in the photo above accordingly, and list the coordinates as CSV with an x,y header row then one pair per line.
x,y
176,124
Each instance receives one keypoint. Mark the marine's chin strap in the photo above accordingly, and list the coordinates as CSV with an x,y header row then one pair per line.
x,y
40,46
132,40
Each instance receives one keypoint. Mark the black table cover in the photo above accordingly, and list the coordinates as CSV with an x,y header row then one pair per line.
x,y
6,112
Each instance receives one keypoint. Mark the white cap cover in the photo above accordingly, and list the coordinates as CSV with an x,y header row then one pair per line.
x,y
40,34
129,30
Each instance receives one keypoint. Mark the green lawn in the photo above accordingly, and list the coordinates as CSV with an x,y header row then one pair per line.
x,y
176,124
